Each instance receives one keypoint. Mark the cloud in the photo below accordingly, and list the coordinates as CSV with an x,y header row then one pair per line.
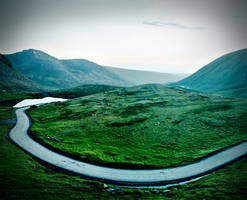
x,y
171,24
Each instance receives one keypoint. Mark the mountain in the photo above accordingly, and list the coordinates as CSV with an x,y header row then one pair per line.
x,y
138,77
13,80
87,72
226,76
54,73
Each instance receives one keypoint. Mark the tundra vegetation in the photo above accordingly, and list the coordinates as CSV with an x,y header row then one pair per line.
x,y
148,126
22,177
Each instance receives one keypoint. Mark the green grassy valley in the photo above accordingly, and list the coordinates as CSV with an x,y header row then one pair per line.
x,y
148,126
142,127
44,183
123,100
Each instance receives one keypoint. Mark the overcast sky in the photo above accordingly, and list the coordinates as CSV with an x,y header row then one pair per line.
x,y
160,35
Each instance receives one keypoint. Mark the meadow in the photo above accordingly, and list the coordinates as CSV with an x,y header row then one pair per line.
x,y
148,126
23,177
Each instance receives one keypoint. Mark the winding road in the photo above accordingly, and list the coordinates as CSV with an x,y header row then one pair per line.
x,y
165,176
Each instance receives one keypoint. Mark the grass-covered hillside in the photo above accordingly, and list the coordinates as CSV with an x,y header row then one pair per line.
x,y
148,126
13,80
226,76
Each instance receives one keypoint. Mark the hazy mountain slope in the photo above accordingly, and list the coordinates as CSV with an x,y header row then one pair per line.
x,y
226,75
57,74
54,73
13,80
88,72
138,77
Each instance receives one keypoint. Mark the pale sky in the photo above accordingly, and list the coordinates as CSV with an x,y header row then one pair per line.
x,y
176,36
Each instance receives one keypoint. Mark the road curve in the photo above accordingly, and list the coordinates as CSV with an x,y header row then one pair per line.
x,y
121,176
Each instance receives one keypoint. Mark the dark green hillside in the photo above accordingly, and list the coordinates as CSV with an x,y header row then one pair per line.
x,y
82,90
226,75
13,80
145,126
51,72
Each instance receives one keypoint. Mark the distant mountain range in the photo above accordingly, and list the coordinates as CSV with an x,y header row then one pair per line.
x,y
12,80
53,73
138,77
226,76
34,70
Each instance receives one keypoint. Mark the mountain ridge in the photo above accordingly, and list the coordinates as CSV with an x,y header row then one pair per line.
x,y
226,75
54,73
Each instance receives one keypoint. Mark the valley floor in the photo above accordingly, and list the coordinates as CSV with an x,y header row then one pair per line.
x,y
21,138
22,177
143,127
